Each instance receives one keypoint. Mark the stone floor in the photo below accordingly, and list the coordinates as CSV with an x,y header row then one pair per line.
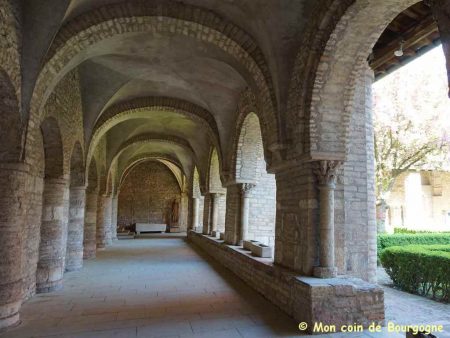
x,y
164,287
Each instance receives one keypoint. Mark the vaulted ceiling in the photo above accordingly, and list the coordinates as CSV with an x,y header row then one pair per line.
x,y
179,68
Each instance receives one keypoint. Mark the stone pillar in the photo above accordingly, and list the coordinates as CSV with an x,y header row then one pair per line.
x,y
245,211
114,209
100,228
184,211
52,249
90,225
214,212
75,234
107,213
441,13
206,214
14,180
195,212
326,175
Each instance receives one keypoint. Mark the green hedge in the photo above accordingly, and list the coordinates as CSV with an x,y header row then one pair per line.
x,y
420,269
408,231
385,241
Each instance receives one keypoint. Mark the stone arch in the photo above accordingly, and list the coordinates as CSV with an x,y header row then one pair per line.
x,y
249,152
172,19
196,192
172,163
323,19
151,137
214,209
250,167
141,107
198,201
214,181
343,63
55,209
247,103
77,197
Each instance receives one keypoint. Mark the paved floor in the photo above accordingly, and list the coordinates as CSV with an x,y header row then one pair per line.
x,y
164,287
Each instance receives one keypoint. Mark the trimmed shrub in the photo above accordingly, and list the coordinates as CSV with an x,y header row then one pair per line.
x,y
385,241
420,269
408,231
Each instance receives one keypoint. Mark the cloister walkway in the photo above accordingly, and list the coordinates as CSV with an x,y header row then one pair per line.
x,y
158,287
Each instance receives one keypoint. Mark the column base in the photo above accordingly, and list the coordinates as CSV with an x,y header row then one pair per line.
x,y
325,272
49,286
9,315
89,253
74,268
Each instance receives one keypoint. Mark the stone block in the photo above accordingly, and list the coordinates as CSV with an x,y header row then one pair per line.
x,y
247,245
261,250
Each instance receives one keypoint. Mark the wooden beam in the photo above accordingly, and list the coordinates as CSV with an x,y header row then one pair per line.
x,y
411,37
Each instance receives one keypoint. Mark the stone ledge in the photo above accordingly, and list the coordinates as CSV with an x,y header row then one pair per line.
x,y
334,301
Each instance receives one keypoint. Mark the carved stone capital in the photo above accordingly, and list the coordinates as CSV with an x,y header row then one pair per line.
x,y
326,172
246,188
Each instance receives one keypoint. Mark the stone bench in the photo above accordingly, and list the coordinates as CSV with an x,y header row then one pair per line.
x,y
150,227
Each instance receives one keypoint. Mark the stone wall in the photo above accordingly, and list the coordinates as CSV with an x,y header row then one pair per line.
x,y
355,241
147,193
337,301
296,236
433,199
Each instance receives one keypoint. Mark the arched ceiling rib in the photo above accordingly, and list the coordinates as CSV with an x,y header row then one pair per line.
x,y
138,51
173,167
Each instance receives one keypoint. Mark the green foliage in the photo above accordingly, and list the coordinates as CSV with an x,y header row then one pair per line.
x,y
420,269
385,241
408,231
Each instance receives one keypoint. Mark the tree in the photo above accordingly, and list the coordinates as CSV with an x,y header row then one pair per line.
x,y
411,119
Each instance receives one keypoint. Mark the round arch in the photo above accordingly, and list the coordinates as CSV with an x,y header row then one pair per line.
x,y
214,169
342,64
173,165
143,107
123,18
149,138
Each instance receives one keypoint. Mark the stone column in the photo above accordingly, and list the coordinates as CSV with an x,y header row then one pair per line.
x,y
326,175
75,234
214,212
14,181
100,228
114,209
184,211
107,213
90,225
52,249
195,211
441,13
245,211
206,214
